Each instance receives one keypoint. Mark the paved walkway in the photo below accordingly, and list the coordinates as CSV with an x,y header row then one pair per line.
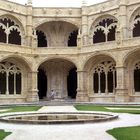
x,y
57,109
93,131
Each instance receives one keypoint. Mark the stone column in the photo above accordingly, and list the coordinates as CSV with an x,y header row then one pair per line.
x,y
29,24
121,90
82,86
33,94
123,19
84,25
57,79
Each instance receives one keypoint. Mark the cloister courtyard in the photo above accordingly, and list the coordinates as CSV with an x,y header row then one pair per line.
x,y
128,117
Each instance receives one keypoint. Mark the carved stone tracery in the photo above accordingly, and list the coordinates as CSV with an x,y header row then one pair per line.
x,y
101,69
10,69
8,27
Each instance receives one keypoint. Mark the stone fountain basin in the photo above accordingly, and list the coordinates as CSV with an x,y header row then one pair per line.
x,y
57,117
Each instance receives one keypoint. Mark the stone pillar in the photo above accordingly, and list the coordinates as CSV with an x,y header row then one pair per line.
x,y
79,39
84,25
29,24
82,95
33,94
57,79
121,90
123,19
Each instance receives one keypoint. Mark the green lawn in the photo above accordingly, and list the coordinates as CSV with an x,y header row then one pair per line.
x,y
21,108
4,134
126,133
103,108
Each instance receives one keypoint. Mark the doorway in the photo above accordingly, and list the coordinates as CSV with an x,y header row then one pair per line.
x,y
72,83
42,84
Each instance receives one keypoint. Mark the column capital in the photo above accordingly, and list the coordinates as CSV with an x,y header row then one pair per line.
x,y
81,71
120,66
33,72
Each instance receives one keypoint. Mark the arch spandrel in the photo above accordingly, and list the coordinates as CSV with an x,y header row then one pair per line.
x,y
97,58
57,20
20,60
131,57
135,12
44,60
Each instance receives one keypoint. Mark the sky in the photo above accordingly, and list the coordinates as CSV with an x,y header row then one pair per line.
x,y
58,3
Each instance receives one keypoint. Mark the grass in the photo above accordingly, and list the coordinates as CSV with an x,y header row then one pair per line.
x,y
4,134
103,108
125,133
20,109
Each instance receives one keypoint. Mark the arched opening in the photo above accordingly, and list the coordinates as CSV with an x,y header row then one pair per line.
x,y
42,84
137,80
72,42
10,78
105,30
111,34
59,34
2,82
99,36
14,37
132,64
137,77
10,32
41,37
136,29
2,35
104,77
72,83
61,79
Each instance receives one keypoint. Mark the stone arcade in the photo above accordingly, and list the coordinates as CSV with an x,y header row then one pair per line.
x,y
90,53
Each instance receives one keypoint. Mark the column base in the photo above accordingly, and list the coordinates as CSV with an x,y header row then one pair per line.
x,y
32,96
82,96
121,95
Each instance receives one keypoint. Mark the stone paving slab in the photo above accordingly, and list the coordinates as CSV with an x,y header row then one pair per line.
x,y
57,109
114,108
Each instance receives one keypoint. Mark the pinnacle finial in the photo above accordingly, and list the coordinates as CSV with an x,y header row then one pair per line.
x,y
84,2
29,2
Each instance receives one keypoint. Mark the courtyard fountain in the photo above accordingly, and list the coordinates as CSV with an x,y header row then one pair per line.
x,y
57,117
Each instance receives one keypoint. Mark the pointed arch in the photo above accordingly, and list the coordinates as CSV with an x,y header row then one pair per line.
x,y
103,29
12,28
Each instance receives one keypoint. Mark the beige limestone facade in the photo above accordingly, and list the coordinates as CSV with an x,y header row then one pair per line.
x,y
91,53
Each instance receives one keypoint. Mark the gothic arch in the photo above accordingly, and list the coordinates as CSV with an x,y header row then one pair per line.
x,y
132,55
94,57
19,59
135,12
101,69
57,32
134,22
131,62
103,29
13,29
53,20
59,58
14,75
17,20
60,76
